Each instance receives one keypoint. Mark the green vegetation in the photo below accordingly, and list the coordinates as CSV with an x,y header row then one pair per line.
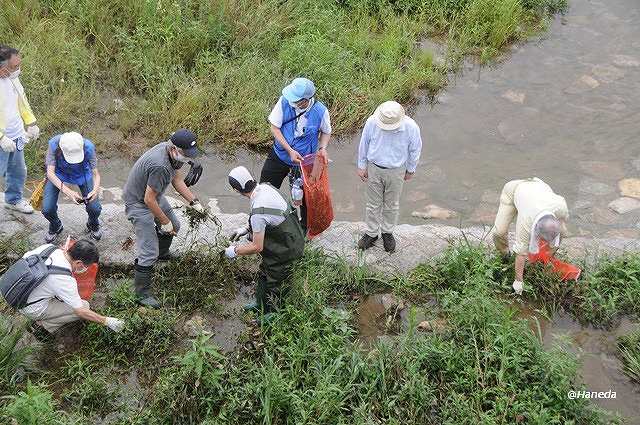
x,y
219,66
13,359
629,352
309,366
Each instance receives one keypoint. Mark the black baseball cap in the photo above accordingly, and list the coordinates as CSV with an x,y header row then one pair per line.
x,y
185,140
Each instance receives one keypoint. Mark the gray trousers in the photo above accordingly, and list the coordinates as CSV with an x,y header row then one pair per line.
x,y
58,314
384,187
144,224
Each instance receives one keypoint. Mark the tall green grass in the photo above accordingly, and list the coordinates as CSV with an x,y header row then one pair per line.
x,y
219,66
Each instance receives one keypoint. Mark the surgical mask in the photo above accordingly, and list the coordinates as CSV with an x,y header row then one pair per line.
x,y
180,158
15,74
81,270
297,108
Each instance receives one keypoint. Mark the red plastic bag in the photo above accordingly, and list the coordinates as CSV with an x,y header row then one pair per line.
x,y
87,280
317,194
565,270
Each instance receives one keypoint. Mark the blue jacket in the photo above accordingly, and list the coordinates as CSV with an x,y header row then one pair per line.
x,y
308,142
77,174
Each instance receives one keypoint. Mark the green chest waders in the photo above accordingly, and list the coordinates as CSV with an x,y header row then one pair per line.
x,y
283,246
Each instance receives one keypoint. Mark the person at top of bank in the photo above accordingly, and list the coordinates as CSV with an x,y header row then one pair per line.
x,y
301,126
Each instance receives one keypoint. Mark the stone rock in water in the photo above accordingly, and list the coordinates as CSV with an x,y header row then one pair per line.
x,y
514,96
630,187
435,325
194,326
624,60
434,211
594,188
391,302
624,205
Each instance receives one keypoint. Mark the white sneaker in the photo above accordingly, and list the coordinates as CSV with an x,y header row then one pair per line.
x,y
22,206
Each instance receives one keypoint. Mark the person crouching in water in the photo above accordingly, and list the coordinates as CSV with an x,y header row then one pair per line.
x,y
71,160
276,234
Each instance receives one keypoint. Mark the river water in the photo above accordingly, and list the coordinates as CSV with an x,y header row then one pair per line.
x,y
564,106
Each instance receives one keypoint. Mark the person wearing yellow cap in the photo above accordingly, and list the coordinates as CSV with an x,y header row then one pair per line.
x,y
388,156
300,125
71,161
17,127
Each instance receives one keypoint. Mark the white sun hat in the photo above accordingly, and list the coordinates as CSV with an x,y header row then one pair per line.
x,y
72,146
389,115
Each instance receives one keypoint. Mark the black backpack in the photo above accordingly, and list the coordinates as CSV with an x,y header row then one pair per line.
x,y
25,275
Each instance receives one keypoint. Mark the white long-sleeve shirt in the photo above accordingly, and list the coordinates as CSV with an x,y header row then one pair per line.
x,y
390,148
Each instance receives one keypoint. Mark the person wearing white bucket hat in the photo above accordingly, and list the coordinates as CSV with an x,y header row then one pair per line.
x,y
71,160
388,156
300,125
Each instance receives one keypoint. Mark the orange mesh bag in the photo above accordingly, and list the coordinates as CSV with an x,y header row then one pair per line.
x,y
317,194
565,270
87,280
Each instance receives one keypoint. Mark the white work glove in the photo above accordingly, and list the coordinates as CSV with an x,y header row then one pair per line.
x,y
238,233
7,144
198,207
167,228
230,252
33,132
518,286
114,324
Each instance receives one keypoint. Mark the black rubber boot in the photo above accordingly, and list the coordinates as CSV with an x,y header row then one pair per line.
x,y
164,243
142,282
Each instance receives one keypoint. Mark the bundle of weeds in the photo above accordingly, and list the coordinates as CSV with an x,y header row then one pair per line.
x,y
196,279
14,359
629,353
147,338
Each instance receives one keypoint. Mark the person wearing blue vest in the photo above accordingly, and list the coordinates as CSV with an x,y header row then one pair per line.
x,y
300,126
71,160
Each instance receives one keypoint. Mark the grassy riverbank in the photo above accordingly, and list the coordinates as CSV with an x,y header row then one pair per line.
x,y
138,69
310,366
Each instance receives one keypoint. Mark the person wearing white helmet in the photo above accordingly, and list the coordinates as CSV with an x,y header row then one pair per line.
x,y
300,125
275,233
388,155
71,160
17,127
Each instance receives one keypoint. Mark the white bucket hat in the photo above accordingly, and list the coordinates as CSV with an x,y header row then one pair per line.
x,y
389,115
72,146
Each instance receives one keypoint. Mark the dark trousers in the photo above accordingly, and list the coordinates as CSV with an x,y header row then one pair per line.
x,y
274,172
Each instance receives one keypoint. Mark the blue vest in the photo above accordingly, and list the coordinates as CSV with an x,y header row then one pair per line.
x,y
77,174
308,142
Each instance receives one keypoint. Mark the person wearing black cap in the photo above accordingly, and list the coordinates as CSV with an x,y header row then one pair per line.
x,y
276,235
154,221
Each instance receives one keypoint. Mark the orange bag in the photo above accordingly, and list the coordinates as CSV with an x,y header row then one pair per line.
x,y
565,270
317,194
87,280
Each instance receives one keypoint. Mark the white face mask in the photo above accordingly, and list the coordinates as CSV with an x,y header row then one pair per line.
x,y
177,156
15,74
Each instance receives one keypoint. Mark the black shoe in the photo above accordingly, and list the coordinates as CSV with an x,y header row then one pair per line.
x,y
389,242
95,234
366,241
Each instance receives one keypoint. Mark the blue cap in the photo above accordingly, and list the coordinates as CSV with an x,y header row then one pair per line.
x,y
300,88
185,140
